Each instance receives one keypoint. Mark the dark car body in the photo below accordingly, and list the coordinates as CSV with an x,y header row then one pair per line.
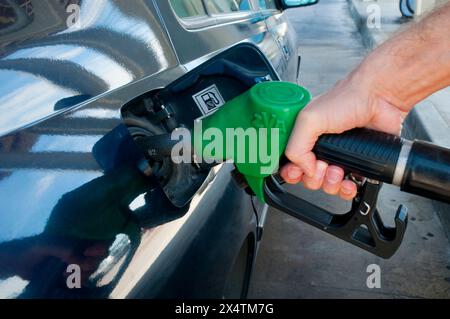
x,y
66,189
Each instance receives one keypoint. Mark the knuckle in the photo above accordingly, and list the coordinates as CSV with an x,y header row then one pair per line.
x,y
306,116
293,156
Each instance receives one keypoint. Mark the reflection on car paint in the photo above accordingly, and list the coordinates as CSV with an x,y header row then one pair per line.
x,y
64,198
76,61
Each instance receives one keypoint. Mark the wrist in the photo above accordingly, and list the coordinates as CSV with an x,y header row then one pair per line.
x,y
374,79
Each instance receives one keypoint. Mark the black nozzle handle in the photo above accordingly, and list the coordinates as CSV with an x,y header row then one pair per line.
x,y
417,167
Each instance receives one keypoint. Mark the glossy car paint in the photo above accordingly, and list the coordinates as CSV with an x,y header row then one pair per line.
x,y
62,88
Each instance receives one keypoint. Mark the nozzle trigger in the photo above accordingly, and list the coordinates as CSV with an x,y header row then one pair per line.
x,y
362,226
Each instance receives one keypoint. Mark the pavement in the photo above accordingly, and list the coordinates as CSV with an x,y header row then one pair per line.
x,y
296,260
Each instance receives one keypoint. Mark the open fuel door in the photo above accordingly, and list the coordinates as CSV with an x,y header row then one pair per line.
x,y
152,117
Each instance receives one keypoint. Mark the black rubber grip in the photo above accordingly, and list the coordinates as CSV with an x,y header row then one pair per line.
x,y
366,152
427,171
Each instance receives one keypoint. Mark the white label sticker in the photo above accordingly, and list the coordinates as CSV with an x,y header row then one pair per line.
x,y
209,99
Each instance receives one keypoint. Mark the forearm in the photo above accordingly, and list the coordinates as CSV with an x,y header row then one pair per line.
x,y
413,64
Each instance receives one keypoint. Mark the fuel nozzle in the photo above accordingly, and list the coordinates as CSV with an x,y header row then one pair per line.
x,y
255,127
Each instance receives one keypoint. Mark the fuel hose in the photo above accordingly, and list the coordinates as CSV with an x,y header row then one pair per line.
x,y
417,167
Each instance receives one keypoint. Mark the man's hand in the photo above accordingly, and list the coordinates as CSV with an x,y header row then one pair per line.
x,y
378,95
349,104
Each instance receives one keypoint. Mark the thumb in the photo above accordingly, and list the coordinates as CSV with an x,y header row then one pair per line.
x,y
307,129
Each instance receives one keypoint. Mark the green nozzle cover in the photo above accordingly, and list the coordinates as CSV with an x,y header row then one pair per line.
x,y
252,129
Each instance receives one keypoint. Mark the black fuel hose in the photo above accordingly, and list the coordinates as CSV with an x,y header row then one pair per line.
x,y
418,167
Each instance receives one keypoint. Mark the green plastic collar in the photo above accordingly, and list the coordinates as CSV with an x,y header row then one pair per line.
x,y
255,128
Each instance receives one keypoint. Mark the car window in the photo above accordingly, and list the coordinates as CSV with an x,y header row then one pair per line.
x,y
267,4
227,6
188,8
